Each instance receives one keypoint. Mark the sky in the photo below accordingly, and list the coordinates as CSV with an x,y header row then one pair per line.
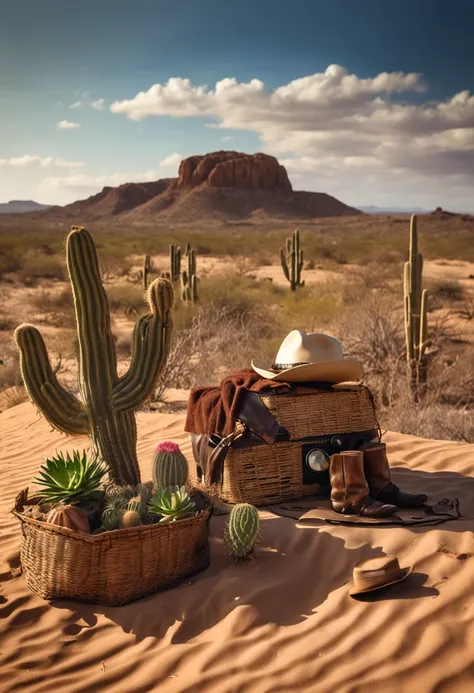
x,y
368,100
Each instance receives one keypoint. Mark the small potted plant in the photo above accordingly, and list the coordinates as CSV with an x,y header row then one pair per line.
x,y
83,538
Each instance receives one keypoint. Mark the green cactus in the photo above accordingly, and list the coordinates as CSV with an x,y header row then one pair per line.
x,y
416,311
115,506
106,412
292,260
172,503
175,263
170,466
145,274
189,280
242,530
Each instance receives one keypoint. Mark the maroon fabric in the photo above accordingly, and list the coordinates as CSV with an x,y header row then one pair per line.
x,y
213,409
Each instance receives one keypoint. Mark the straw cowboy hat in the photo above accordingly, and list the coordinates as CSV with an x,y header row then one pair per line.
x,y
377,573
310,358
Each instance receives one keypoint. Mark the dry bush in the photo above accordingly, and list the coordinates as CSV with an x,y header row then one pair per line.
x,y
467,310
10,375
123,297
57,307
39,266
444,293
12,396
218,341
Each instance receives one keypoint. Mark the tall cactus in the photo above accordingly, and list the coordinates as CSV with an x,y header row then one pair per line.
x,y
416,311
292,260
146,271
106,412
175,263
189,280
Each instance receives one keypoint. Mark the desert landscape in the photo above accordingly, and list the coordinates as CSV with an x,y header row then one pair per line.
x,y
237,347
225,629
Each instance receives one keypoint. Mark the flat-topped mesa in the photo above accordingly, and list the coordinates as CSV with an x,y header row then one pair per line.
x,y
233,170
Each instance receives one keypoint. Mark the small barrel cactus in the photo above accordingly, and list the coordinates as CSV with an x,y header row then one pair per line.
x,y
131,516
69,516
115,505
242,530
170,467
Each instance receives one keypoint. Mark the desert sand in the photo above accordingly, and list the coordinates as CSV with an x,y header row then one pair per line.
x,y
280,623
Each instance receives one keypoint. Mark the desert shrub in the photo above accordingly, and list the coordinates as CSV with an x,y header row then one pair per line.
x,y
310,307
444,293
126,296
238,293
56,306
10,374
217,342
40,266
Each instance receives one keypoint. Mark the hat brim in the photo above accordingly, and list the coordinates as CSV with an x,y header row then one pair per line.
x,y
344,370
406,572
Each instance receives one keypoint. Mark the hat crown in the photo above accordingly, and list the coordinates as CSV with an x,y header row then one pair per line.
x,y
300,347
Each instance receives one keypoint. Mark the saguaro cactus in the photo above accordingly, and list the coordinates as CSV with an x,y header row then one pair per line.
x,y
416,311
106,412
189,280
175,263
292,260
146,271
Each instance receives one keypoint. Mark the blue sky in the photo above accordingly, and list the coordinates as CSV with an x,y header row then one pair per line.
x,y
368,100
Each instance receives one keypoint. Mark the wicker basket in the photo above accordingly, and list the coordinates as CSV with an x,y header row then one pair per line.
x,y
267,474
112,568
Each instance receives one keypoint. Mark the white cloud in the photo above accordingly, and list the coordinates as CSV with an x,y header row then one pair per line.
x,y
88,183
173,160
44,161
98,104
68,125
333,124
76,104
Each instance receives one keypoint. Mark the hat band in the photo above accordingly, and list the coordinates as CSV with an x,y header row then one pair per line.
x,y
287,366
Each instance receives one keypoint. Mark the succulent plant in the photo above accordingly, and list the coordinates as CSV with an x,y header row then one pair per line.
x,y
242,530
69,516
291,259
144,492
115,506
172,503
71,479
130,518
106,411
170,466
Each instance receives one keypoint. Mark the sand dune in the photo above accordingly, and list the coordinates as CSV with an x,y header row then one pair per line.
x,y
281,623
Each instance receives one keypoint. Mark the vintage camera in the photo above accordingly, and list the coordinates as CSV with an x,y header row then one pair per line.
x,y
316,453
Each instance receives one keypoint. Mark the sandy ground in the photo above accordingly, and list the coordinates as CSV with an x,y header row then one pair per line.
x,y
281,623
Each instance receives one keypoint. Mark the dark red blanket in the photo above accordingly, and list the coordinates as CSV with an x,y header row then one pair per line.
x,y
212,409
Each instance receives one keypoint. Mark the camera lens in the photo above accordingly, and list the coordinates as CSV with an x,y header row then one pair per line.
x,y
317,460
336,441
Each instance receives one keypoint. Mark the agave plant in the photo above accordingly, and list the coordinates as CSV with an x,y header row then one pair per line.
x,y
71,480
171,503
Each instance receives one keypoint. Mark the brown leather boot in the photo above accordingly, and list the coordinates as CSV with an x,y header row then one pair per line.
x,y
377,473
349,489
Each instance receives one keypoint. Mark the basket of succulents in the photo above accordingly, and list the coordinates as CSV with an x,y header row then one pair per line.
x,y
92,531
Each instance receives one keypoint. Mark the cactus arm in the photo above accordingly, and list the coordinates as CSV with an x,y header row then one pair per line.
x,y
424,323
59,407
151,346
284,264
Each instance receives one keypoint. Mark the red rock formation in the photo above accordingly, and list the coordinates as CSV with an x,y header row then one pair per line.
x,y
233,170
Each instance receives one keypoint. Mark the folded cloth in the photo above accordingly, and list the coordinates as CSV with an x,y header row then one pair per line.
x,y
212,410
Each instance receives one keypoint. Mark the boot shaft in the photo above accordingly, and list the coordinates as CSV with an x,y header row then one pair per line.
x,y
376,466
346,473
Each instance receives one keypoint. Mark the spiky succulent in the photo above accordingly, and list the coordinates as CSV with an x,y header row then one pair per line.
x,y
115,506
171,503
71,479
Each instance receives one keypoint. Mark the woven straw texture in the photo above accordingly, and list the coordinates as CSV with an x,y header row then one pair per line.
x,y
264,474
322,413
112,568
267,474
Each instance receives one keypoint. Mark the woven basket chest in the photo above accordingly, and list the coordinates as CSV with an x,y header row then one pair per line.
x,y
319,422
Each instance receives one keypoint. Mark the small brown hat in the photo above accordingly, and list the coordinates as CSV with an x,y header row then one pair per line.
x,y
376,573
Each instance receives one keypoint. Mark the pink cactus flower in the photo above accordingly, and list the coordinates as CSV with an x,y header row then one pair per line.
x,y
167,446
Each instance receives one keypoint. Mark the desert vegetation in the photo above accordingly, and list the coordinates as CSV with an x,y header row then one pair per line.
x,y
353,288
